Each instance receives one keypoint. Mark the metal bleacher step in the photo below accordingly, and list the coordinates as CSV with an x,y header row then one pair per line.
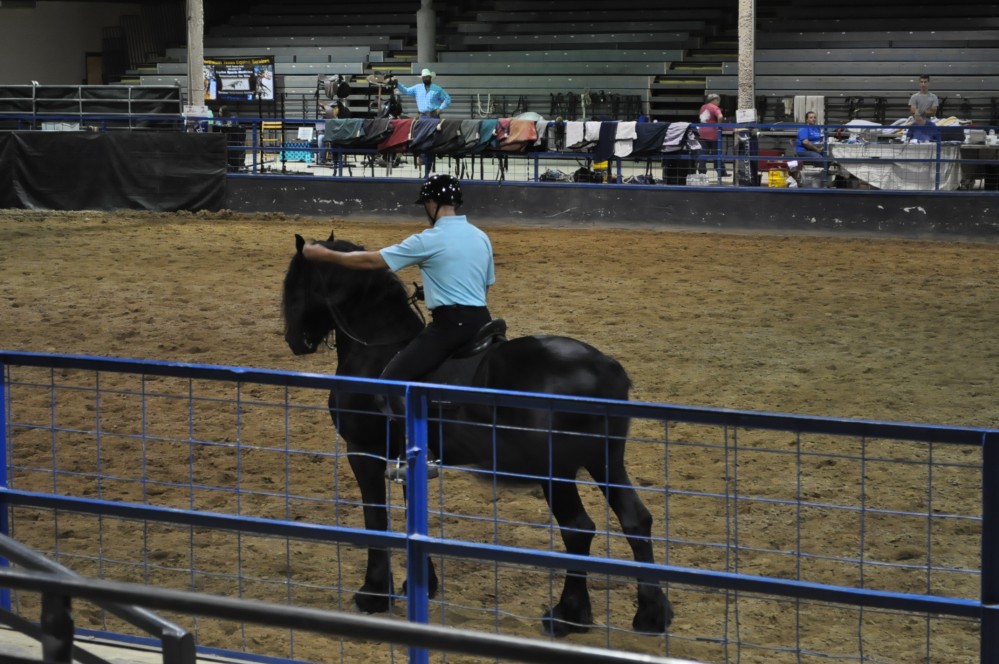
x,y
679,81
697,68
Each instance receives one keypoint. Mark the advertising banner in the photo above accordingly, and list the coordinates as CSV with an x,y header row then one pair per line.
x,y
243,78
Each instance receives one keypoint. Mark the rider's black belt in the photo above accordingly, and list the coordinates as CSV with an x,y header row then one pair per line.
x,y
456,314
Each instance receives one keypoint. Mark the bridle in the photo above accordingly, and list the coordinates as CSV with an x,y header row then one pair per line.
x,y
340,324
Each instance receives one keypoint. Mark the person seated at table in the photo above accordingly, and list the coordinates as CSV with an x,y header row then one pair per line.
x,y
922,130
810,147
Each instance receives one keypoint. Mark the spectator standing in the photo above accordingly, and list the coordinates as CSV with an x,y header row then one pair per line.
x,y
924,101
431,99
710,136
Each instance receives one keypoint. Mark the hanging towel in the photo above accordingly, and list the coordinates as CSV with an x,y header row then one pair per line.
x,y
805,103
605,144
675,138
649,139
574,135
624,140
591,131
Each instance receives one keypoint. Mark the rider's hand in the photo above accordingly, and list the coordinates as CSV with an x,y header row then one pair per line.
x,y
312,250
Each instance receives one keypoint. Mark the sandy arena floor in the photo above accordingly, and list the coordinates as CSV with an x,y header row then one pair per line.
x,y
846,327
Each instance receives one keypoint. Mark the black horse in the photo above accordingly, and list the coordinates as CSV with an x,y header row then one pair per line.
x,y
372,318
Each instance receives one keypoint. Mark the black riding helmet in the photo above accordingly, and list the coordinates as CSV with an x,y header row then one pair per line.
x,y
444,189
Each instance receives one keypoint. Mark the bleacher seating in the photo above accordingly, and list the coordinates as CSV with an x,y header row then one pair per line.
x,y
865,58
859,54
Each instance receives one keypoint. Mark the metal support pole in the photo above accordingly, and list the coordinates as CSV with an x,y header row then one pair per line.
x,y
417,561
4,478
989,627
195,52
747,53
57,629
426,33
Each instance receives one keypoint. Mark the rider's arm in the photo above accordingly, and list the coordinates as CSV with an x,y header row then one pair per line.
x,y
355,260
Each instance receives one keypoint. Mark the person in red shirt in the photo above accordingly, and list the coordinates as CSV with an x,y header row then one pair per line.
x,y
710,137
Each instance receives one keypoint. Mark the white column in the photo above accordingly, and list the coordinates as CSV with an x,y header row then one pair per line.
x,y
426,34
747,54
195,52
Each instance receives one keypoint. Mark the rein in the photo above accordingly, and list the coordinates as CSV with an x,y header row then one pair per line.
x,y
341,324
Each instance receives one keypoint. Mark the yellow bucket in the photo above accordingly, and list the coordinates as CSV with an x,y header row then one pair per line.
x,y
601,165
777,178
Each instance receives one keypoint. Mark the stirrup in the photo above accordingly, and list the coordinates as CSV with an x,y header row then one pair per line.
x,y
396,470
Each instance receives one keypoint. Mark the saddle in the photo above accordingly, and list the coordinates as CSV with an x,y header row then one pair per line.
x,y
492,332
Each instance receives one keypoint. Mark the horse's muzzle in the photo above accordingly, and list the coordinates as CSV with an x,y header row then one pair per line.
x,y
302,346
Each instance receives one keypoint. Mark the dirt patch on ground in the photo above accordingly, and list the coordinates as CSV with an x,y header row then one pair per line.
x,y
844,327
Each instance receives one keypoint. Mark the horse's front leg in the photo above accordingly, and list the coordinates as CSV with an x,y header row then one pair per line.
x,y
375,596
573,612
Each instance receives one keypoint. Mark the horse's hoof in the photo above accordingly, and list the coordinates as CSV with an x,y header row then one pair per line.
x,y
653,619
555,625
367,602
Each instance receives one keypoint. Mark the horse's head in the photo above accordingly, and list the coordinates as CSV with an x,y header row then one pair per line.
x,y
368,305
304,303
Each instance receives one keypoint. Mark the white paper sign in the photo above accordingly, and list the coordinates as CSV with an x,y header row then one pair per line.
x,y
197,111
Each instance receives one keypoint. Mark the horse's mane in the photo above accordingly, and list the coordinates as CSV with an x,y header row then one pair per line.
x,y
370,290
374,286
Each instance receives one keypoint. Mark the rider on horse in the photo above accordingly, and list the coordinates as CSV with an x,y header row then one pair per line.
x,y
456,263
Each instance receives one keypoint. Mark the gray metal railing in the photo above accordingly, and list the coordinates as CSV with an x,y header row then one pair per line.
x,y
56,633
419,544
60,587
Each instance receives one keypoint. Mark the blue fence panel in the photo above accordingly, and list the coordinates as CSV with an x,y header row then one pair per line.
x,y
138,471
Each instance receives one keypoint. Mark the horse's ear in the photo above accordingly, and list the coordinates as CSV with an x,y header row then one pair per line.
x,y
330,239
299,243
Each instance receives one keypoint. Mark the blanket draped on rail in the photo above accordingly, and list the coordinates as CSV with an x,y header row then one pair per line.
x,y
464,137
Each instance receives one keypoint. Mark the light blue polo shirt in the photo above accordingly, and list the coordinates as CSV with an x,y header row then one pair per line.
x,y
455,259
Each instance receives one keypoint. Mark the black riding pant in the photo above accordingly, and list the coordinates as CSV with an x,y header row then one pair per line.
x,y
450,328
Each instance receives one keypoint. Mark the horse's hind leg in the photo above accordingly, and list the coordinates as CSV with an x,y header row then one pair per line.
x,y
573,612
654,612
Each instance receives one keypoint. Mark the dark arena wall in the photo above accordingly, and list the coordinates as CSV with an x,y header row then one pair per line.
x,y
136,170
168,171
962,215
